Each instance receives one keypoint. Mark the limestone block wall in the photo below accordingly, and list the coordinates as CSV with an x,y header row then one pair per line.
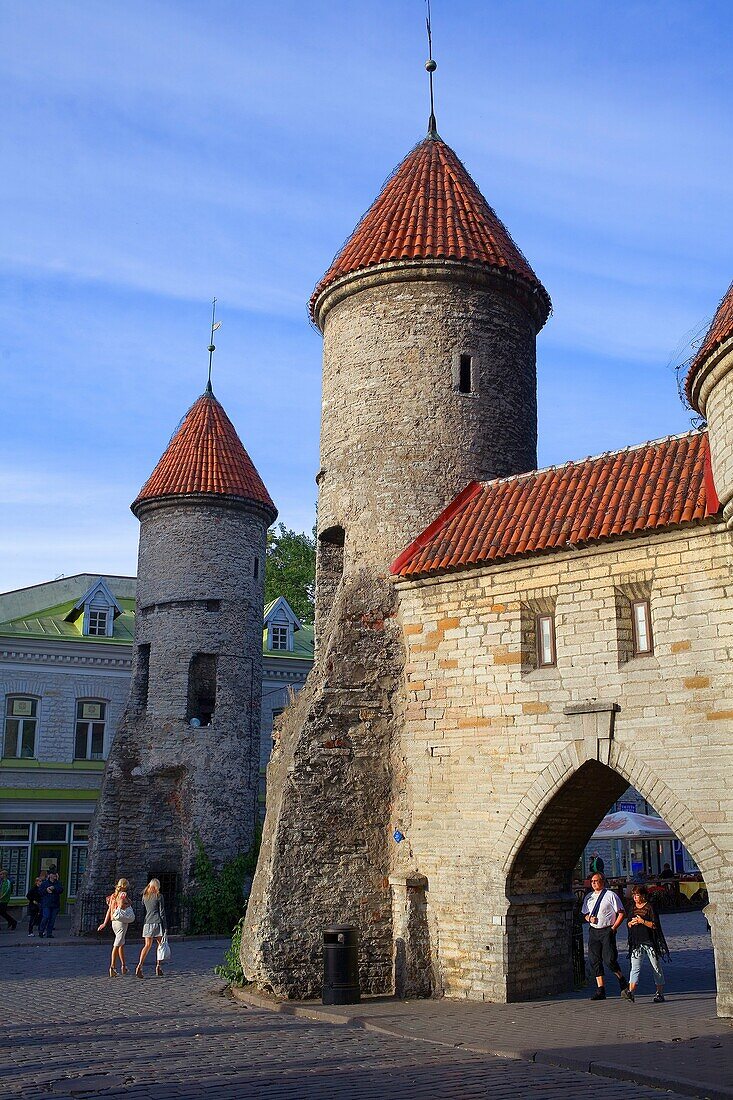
x,y
508,768
398,439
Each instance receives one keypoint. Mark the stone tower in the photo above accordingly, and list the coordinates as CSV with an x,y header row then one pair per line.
x,y
710,392
184,764
429,315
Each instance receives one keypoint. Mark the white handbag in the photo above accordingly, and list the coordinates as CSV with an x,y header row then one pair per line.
x,y
164,951
124,916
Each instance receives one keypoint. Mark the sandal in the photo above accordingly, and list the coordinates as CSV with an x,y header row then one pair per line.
x,y
112,972
139,971
158,970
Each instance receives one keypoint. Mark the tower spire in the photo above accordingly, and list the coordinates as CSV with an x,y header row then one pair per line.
x,y
212,347
431,66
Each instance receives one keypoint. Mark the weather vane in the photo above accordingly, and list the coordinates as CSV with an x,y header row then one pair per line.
x,y
431,66
212,347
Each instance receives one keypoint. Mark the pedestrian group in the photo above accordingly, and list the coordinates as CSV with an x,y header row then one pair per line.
x,y
604,912
120,915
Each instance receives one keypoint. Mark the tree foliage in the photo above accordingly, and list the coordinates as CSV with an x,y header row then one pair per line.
x,y
290,570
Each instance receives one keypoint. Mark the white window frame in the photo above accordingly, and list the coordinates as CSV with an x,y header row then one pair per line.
x,y
92,630
21,719
90,723
640,648
288,636
546,645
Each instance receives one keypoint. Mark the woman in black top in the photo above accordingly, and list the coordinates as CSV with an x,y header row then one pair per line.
x,y
34,905
646,939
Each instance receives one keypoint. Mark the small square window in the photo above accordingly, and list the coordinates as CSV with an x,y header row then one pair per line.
x,y
546,657
279,637
98,620
641,622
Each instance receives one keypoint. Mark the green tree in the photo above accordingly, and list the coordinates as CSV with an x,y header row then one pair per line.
x,y
290,570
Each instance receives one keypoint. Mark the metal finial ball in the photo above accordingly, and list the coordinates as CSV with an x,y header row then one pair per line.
x,y
431,65
212,347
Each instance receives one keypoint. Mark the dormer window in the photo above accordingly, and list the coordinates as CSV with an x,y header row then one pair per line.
x,y
280,626
98,619
97,609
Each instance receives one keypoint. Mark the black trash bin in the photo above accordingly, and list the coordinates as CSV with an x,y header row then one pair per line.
x,y
340,965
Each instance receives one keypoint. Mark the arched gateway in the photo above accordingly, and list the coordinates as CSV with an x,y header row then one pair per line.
x,y
548,637
540,867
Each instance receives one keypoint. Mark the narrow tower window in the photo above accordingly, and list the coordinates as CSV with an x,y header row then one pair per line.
x,y
641,621
256,568
545,641
465,364
202,687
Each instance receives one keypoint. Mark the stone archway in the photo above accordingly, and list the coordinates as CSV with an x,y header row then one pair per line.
x,y
538,884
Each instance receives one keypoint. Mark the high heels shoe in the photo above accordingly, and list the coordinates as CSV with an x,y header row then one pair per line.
x,y
158,970
139,972
112,972
124,970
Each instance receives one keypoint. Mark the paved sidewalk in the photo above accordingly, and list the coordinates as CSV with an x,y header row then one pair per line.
x,y
680,1045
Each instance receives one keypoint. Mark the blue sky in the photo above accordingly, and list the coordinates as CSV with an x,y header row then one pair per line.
x,y
157,154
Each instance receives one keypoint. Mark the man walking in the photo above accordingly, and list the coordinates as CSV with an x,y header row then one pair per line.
x,y
5,894
51,890
604,912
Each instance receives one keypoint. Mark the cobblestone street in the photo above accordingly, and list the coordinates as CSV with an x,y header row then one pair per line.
x,y
69,1030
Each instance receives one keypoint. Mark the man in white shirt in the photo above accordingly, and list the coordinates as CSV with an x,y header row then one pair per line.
x,y
604,912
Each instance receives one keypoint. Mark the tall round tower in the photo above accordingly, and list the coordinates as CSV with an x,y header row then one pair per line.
x,y
710,392
184,765
429,316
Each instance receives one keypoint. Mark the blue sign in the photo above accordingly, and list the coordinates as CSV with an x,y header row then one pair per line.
x,y
627,807
398,836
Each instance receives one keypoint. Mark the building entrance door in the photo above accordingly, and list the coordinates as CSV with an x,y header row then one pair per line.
x,y
46,856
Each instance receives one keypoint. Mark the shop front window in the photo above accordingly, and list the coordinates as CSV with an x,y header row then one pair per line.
x,y
14,855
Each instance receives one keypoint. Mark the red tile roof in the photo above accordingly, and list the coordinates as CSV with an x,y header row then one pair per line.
x,y
720,330
656,485
430,208
206,456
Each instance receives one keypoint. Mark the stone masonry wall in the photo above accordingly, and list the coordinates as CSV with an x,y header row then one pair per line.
x,y
718,411
167,783
508,769
398,441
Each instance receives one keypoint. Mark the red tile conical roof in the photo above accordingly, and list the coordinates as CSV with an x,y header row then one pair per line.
x,y
430,209
205,456
719,331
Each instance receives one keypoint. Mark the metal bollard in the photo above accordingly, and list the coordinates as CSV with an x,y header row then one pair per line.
x,y
340,965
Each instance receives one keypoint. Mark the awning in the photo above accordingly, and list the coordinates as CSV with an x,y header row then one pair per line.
x,y
628,826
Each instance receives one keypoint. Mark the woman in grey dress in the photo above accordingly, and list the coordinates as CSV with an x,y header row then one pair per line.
x,y
155,924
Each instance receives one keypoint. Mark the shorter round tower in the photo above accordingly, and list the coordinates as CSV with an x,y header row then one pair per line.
x,y
709,389
184,765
